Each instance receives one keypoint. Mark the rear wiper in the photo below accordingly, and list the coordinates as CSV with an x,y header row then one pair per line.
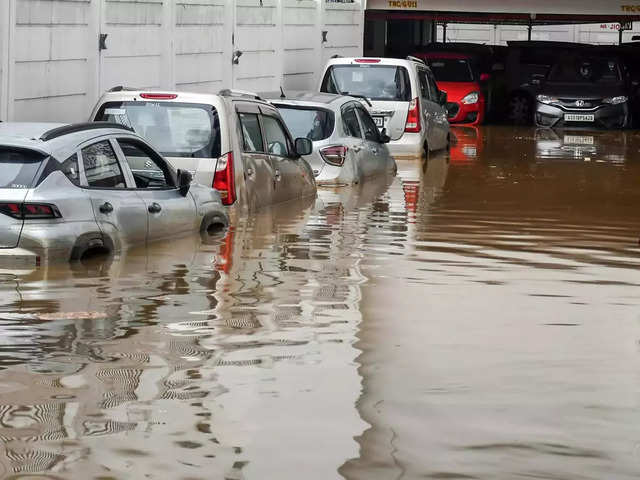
x,y
358,96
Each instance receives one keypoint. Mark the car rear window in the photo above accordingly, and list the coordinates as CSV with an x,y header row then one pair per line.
x,y
586,70
174,129
451,70
376,82
18,168
312,123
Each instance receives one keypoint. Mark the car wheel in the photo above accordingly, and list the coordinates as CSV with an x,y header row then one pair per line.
x,y
520,112
426,151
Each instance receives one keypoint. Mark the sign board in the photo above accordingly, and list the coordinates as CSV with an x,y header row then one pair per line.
x,y
624,26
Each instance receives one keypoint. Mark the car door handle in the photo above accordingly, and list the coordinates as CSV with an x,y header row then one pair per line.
x,y
154,208
278,176
356,148
249,171
374,150
106,207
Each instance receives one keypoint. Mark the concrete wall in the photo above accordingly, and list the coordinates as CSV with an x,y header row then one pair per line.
x,y
52,69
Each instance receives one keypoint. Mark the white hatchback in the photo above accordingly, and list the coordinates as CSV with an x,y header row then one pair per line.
x,y
402,97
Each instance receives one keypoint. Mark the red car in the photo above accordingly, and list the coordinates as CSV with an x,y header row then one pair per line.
x,y
456,74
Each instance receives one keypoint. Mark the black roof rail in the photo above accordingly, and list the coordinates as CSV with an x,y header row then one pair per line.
x,y
80,127
411,58
122,88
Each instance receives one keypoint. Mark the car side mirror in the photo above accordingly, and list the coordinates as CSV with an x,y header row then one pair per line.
x,y
384,137
442,99
304,146
184,181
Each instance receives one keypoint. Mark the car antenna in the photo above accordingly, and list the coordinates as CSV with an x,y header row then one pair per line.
x,y
282,95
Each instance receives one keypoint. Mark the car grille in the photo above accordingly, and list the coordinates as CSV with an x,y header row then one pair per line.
x,y
586,103
452,109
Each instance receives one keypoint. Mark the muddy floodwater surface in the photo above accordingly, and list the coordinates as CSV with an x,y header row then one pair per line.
x,y
475,317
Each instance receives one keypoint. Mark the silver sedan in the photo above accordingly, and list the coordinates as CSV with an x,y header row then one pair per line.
x,y
68,191
347,146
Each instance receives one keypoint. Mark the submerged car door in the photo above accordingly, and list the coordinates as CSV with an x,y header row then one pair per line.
x,y
258,173
120,213
439,120
377,154
357,153
429,108
292,180
170,213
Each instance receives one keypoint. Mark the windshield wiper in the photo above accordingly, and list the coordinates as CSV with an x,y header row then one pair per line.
x,y
358,96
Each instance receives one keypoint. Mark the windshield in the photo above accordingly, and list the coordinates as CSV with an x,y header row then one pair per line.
x,y
18,168
451,70
312,123
376,82
586,70
174,129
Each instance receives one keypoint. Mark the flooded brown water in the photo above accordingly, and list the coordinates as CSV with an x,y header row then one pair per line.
x,y
476,317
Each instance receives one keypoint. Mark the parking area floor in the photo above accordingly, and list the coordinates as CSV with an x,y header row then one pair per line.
x,y
476,316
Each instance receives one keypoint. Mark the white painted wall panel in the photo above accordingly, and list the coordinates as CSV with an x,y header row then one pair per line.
x,y
301,43
51,68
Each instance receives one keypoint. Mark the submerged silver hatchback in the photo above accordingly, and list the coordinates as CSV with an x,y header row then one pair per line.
x,y
67,191
347,146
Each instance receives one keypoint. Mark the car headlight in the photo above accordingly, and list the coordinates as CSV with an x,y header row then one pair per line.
x,y
546,99
471,98
615,100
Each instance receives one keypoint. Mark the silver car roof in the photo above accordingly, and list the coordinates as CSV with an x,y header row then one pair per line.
x,y
300,97
28,135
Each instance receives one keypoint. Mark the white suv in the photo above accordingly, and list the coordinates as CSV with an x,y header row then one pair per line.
x,y
402,97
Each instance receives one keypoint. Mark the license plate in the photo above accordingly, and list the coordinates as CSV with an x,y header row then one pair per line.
x,y
578,117
379,121
578,140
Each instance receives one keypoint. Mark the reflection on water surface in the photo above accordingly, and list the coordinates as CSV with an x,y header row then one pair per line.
x,y
474,317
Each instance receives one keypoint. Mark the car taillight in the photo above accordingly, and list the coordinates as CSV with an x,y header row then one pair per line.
x,y
159,96
334,155
29,211
413,117
367,60
223,179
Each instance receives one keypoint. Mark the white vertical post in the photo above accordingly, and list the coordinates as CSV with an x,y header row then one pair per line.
x,y
168,53
4,58
318,46
7,57
228,44
279,67
94,29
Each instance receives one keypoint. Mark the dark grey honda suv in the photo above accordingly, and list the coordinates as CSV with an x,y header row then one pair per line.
x,y
584,91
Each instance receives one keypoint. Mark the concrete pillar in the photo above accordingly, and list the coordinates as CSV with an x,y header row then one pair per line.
x,y
168,47
7,30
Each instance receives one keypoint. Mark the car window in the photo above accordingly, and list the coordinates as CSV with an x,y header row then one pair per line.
x,y
434,93
276,137
451,69
350,121
370,129
376,82
313,123
148,172
70,168
18,168
101,166
251,133
174,129
424,84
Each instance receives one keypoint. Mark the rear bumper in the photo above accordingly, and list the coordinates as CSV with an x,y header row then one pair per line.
x,y
607,116
18,258
408,147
